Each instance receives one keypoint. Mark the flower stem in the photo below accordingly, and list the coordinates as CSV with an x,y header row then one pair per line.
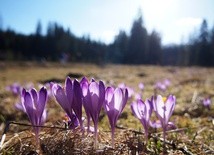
x,y
164,140
95,135
88,124
112,136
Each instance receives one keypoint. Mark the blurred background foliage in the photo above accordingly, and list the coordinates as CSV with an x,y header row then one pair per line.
x,y
140,47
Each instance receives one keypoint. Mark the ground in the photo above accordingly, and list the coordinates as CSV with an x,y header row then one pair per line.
x,y
195,123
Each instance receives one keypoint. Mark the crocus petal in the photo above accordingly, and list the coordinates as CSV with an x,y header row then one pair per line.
x,y
86,96
113,116
20,106
30,109
77,100
33,92
148,105
62,100
42,100
135,111
69,89
118,99
54,88
109,94
84,85
141,107
94,93
170,106
125,98
44,117
101,93
159,106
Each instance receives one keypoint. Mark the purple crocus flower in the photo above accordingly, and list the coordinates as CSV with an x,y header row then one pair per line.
x,y
74,95
207,102
141,86
143,110
69,99
15,88
84,85
167,82
115,101
93,99
164,110
161,86
33,104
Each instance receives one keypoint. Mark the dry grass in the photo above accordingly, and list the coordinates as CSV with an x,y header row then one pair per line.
x,y
195,123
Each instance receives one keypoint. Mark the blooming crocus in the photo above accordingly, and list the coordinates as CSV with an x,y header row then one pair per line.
x,y
70,99
93,99
115,101
33,104
164,110
143,110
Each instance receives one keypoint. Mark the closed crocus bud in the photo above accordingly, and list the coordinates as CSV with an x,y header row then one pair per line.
x,y
65,98
74,95
143,110
84,86
93,99
62,99
115,101
33,104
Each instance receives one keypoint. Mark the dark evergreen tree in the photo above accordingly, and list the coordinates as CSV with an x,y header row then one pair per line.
x,y
154,49
205,56
119,48
138,43
212,46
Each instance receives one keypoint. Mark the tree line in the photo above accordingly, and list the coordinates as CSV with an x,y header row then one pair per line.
x,y
139,47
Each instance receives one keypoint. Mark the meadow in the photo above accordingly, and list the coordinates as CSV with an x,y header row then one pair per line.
x,y
194,132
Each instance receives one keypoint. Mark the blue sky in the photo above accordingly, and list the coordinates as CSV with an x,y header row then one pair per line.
x,y
175,20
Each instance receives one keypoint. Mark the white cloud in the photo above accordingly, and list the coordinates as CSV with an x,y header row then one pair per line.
x,y
188,21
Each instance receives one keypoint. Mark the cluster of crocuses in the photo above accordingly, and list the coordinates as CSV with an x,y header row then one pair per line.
x,y
163,109
91,95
